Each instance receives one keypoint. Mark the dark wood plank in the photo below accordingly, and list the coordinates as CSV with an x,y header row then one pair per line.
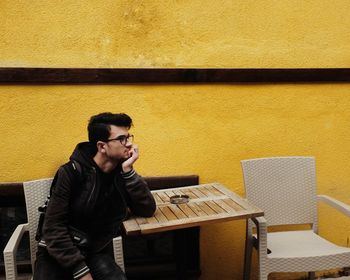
x,y
11,194
22,75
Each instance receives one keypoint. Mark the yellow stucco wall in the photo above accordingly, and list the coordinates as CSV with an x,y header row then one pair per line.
x,y
183,129
196,33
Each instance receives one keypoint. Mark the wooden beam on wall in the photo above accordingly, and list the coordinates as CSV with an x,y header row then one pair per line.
x,y
11,194
171,75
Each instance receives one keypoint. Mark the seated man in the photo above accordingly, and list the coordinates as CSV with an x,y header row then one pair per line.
x,y
89,201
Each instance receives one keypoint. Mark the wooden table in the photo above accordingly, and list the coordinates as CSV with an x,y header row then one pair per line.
x,y
209,203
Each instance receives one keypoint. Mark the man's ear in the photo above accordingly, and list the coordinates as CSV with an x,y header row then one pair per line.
x,y
101,146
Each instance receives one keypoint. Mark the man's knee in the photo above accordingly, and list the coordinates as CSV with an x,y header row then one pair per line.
x,y
103,266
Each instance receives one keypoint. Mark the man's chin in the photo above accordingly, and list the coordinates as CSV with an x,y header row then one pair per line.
x,y
125,158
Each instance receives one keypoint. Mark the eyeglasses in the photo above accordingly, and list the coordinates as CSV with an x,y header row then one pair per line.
x,y
123,139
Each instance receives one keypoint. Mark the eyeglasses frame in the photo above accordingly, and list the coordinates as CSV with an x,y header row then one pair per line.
x,y
123,138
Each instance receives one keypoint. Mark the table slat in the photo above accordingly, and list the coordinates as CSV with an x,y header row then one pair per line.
x,y
225,206
177,211
187,210
160,216
168,213
206,208
197,210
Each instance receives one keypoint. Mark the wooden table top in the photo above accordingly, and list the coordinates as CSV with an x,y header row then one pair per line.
x,y
208,203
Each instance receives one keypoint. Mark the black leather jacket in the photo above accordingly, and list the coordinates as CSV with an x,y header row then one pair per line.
x,y
80,200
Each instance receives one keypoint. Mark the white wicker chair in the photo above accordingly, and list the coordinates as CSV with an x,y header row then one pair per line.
x,y
35,194
285,188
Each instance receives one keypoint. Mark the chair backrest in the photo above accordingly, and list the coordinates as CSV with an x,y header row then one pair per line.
x,y
35,193
284,187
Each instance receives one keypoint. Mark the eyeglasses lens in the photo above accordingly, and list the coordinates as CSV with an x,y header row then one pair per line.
x,y
127,139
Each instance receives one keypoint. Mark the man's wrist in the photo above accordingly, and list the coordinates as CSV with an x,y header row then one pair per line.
x,y
129,174
127,168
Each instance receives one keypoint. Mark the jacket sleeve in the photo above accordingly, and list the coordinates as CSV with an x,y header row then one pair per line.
x,y
55,228
141,201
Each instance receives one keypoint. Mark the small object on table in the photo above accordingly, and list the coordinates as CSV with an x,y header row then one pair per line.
x,y
179,199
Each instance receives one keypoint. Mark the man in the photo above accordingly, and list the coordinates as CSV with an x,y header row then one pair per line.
x,y
89,201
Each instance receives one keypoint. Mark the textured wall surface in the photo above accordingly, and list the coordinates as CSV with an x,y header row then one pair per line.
x,y
136,33
183,129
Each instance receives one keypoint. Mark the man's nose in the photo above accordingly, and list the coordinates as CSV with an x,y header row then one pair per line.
x,y
128,144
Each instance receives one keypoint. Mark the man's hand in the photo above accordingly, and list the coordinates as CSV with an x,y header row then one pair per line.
x,y
86,277
134,155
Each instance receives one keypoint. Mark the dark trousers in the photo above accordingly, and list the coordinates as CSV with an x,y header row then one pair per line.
x,y
102,267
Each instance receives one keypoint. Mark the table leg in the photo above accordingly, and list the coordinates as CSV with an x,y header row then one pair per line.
x,y
180,253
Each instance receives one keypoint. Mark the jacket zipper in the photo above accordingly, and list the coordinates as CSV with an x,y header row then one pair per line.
x,y
123,198
93,187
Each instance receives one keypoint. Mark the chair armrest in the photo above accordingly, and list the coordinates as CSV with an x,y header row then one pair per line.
x,y
340,206
261,225
118,252
10,251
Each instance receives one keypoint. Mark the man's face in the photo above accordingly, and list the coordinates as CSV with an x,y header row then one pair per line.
x,y
115,150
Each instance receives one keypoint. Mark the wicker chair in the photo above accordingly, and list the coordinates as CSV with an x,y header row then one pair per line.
x,y
285,188
35,194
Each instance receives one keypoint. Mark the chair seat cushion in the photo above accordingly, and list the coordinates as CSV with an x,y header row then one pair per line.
x,y
298,244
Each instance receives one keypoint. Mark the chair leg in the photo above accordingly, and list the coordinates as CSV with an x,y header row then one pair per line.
x,y
118,252
248,255
263,276
247,261
311,275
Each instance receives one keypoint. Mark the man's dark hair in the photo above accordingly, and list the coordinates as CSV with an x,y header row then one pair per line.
x,y
99,125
